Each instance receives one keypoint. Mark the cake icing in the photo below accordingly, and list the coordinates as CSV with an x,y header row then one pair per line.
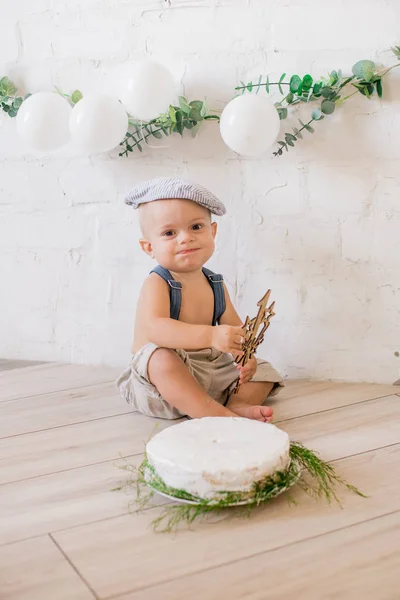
x,y
216,454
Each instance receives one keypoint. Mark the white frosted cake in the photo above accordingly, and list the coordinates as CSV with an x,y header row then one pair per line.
x,y
218,454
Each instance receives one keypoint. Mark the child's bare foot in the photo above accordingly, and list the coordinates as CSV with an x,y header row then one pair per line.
x,y
258,413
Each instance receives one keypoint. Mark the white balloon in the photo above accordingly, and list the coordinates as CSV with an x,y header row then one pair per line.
x,y
148,90
98,123
249,124
42,121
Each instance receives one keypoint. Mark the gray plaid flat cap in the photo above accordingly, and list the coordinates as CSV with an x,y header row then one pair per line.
x,y
163,188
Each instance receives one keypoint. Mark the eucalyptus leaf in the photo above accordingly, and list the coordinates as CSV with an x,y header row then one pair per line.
x,y
317,88
282,77
346,81
379,87
172,114
326,92
184,105
283,113
76,96
300,89
17,102
328,107
195,115
298,133
195,110
295,82
267,85
367,91
396,51
364,69
195,130
7,88
316,114
308,127
307,82
179,123
365,88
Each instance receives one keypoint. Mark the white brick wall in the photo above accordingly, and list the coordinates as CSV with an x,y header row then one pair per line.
x,y
320,225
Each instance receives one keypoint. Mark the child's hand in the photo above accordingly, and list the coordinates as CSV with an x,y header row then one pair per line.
x,y
248,371
227,338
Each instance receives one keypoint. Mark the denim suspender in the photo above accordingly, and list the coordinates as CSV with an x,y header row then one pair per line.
x,y
175,292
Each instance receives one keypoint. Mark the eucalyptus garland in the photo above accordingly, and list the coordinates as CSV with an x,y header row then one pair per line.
x,y
326,94
315,476
188,115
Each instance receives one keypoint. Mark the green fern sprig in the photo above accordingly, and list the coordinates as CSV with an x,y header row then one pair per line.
x,y
321,483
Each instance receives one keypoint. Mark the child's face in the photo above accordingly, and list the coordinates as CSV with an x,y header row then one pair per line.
x,y
178,234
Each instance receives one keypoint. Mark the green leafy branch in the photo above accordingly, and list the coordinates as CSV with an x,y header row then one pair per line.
x,y
10,101
327,91
188,115
72,98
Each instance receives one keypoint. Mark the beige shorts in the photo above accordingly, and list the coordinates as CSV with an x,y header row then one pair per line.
x,y
214,370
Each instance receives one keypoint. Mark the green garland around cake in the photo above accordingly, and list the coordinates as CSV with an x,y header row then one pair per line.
x,y
315,476
325,94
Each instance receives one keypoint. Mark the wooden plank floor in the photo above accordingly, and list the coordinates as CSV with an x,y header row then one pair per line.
x,y
65,535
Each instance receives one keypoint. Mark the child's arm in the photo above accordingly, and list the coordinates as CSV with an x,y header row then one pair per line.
x,y
152,317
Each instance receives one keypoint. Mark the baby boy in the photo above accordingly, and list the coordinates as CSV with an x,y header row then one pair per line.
x,y
187,331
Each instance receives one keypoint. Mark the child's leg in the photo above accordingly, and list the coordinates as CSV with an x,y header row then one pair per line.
x,y
173,380
249,399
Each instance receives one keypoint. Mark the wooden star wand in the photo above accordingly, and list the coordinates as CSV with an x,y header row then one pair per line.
x,y
252,337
